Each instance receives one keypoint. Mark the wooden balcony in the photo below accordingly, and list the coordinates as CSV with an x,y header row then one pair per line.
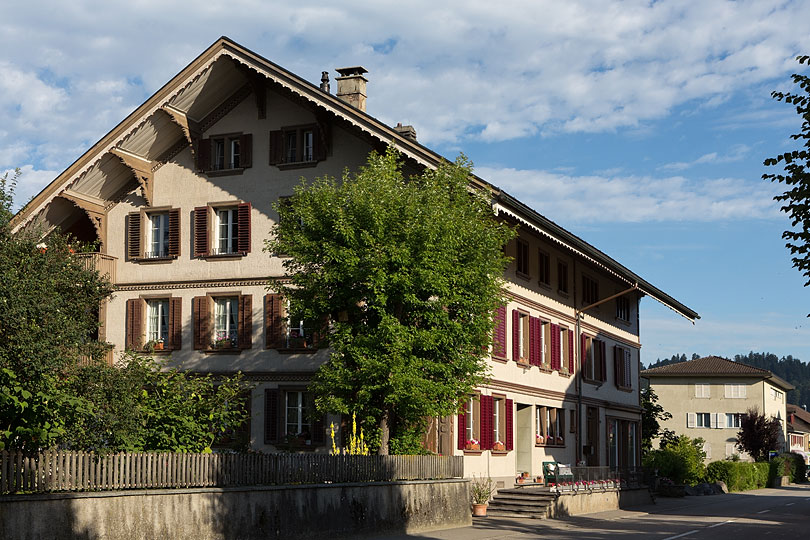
x,y
105,264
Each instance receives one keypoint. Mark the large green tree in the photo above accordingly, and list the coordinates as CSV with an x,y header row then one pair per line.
x,y
404,275
796,163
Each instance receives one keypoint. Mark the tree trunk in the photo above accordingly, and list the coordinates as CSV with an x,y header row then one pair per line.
x,y
385,433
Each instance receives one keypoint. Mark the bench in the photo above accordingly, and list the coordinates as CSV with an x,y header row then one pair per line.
x,y
556,472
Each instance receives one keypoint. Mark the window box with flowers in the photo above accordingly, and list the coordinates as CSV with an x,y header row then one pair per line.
x,y
539,439
498,446
473,444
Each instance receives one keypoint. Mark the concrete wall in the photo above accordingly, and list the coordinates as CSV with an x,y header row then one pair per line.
x,y
573,504
333,511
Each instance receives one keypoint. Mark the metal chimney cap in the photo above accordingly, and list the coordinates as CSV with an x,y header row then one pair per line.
x,y
349,71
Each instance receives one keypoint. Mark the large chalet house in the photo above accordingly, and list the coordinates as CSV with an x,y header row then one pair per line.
x,y
179,196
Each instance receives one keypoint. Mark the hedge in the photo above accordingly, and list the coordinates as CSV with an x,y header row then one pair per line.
x,y
739,475
791,465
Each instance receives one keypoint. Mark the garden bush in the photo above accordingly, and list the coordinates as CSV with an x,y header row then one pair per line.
x,y
791,465
738,475
681,460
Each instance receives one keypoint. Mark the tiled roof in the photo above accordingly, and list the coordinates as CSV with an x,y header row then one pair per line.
x,y
799,412
710,365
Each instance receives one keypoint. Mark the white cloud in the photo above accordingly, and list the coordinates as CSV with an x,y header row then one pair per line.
x,y
584,199
737,153
30,182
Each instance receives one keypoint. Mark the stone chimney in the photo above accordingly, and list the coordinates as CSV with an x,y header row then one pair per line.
x,y
352,86
406,131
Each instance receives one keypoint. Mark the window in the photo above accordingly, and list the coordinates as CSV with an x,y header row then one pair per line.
x,y
623,308
470,420
735,391
289,418
522,257
520,336
622,443
230,153
297,416
499,424
703,420
708,449
226,323
622,367
495,424
469,425
157,321
562,277
157,238
226,228
549,426
544,268
733,420
497,420
590,291
222,230
298,145
158,235
702,390
775,394
593,359
731,449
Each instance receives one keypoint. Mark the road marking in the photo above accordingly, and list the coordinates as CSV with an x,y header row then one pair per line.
x,y
680,535
721,523
763,511
790,504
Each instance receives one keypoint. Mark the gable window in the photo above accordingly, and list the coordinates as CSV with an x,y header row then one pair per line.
x,y
157,321
522,257
226,323
623,308
702,390
298,145
222,230
544,268
590,291
153,234
593,359
735,391
562,277
228,153
154,324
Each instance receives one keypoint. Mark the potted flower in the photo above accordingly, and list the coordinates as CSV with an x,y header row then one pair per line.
x,y
472,444
481,490
153,345
498,446
540,439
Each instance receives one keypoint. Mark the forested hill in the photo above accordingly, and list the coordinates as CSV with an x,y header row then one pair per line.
x,y
791,369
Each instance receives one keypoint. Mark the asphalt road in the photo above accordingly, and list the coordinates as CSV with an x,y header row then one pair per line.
x,y
764,513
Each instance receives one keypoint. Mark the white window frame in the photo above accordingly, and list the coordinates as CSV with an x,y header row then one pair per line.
x,y
703,420
308,145
703,390
300,411
470,420
236,152
158,235
157,319
496,419
226,318
733,420
226,220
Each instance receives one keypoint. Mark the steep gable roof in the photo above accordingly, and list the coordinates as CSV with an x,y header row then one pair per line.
x,y
134,148
714,366
801,416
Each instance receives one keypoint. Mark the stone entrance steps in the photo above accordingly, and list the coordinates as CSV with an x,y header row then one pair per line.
x,y
521,502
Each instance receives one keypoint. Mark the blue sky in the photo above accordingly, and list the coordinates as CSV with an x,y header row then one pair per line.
x,y
639,126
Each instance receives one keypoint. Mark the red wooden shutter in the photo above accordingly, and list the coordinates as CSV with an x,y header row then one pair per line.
x,y
174,232
515,335
246,147
602,348
276,147
462,427
204,155
555,346
245,321
270,416
499,345
509,442
243,217
571,366
134,236
486,423
201,243
201,323
618,376
175,323
273,321
134,334
535,342
583,356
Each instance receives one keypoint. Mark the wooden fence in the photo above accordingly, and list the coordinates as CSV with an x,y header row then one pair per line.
x,y
60,470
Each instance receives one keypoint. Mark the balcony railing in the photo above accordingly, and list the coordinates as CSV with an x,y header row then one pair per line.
x,y
103,263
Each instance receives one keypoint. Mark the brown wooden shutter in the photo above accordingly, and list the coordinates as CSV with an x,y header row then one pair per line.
x,y
271,416
175,323
201,242
201,322
618,379
174,232
276,147
583,356
273,321
246,321
134,236
246,147
204,155
628,382
318,143
603,355
319,430
243,222
515,335
508,443
134,334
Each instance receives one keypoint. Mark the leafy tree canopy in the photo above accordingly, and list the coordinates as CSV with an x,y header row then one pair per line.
x,y
408,273
796,177
758,434
651,415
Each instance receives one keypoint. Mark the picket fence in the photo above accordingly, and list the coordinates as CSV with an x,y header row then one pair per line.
x,y
61,470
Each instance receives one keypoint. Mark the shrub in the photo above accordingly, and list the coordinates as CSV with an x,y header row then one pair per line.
x,y
738,475
681,460
791,465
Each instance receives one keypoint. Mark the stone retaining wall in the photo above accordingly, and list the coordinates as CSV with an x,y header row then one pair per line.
x,y
573,504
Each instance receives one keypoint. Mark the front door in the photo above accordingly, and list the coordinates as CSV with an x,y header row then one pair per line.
x,y
446,436
592,429
524,439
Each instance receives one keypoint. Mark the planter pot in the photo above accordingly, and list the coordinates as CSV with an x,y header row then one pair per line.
x,y
525,475
159,346
473,447
520,480
479,510
498,447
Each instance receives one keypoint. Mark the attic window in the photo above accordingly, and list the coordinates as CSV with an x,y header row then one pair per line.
x,y
225,154
298,146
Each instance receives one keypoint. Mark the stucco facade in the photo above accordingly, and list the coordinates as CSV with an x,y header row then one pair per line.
x,y
230,136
